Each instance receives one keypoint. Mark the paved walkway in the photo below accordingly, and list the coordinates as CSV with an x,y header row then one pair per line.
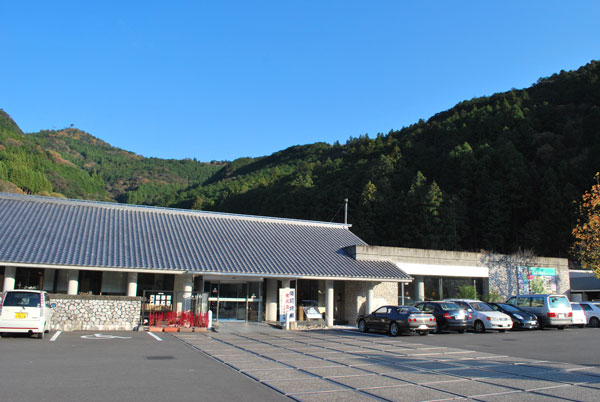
x,y
337,366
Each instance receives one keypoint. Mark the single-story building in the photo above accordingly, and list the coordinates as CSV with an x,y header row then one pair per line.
x,y
233,265
107,264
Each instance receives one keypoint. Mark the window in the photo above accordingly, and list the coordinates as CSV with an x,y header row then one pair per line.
x,y
537,301
449,306
481,307
576,306
524,302
586,307
558,301
22,299
428,308
381,310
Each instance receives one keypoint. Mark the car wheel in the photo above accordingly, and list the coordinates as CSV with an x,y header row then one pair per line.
x,y
461,331
362,326
594,322
40,335
394,329
479,327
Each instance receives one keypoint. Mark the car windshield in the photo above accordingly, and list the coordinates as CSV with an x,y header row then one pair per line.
x,y
576,306
509,307
449,306
558,301
21,299
479,306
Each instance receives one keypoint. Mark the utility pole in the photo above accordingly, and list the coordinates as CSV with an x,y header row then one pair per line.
x,y
345,211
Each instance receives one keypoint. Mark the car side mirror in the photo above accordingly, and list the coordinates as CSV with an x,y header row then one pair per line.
x,y
53,305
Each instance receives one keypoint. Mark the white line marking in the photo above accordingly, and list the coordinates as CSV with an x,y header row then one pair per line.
x,y
154,336
56,335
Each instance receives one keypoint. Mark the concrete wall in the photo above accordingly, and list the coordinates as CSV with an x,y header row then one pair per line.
x,y
499,268
95,313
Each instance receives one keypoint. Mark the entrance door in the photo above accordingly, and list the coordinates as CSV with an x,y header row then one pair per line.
x,y
235,301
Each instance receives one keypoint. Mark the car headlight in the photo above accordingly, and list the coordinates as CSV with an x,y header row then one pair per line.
x,y
517,316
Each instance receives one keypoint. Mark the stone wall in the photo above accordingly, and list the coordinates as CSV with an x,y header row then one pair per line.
x,y
356,297
95,313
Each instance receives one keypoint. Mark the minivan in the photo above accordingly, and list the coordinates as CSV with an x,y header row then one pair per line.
x,y
551,310
25,311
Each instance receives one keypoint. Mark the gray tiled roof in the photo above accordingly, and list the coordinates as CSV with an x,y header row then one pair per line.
x,y
70,233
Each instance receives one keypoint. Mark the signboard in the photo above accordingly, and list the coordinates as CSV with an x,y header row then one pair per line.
x,y
536,280
287,303
312,313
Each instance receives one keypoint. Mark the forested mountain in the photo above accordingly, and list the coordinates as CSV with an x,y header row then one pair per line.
x,y
496,173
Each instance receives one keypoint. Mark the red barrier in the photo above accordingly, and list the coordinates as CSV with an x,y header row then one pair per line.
x,y
184,319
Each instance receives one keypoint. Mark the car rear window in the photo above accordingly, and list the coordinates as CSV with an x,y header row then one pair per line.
x,y
558,301
576,306
481,306
450,306
21,299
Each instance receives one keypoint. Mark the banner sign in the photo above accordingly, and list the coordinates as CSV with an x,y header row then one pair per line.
x,y
287,303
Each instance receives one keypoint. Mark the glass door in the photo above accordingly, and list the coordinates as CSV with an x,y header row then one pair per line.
x,y
235,301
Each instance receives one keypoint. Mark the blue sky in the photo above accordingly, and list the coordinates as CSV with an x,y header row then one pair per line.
x,y
222,80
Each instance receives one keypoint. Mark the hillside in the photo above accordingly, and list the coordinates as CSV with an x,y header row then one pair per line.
x,y
75,164
497,173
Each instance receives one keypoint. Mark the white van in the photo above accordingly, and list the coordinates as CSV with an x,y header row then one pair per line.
x,y
551,310
27,311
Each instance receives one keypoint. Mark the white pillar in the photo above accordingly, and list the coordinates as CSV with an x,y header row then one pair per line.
x,y
9,278
370,300
271,307
329,303
73,286
49,275
132,278
285,283
420,288
183,285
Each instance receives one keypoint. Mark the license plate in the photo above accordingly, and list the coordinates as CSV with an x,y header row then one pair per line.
x,y
459,317
422,326
20,316
561,315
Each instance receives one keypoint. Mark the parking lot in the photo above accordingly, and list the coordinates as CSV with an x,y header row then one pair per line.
x,y
272,365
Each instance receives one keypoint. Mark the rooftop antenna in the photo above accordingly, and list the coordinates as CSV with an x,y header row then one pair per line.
x,y
345,211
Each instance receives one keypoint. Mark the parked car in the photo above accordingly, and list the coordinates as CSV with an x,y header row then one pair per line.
x,y
25,311
592,313
578,319
397,319
521,319
551,310
448,315
484,317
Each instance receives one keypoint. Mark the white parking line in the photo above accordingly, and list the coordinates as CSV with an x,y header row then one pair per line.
x,y
56,335
154,336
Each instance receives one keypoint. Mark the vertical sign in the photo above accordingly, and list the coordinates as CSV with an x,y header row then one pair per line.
x,y
287,303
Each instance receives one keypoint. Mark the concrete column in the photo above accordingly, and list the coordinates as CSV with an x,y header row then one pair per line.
x,y
73,286
420,288
285,283
132,278
9,278
183,285
272,295
49,275
370,299
329,303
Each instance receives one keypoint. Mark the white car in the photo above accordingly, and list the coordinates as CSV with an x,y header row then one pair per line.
x,y
25,311
578,319
484,317
592,313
